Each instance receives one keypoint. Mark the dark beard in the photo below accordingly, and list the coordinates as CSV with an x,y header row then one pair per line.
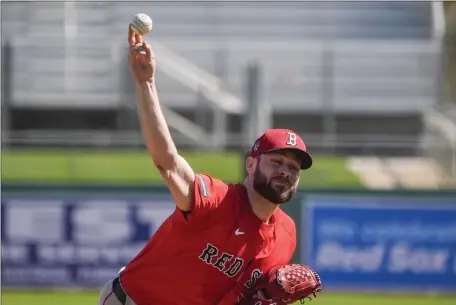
x,y
265,189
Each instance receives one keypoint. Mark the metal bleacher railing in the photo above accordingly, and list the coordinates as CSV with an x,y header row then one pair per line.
x,y
55,68
440,120
320,57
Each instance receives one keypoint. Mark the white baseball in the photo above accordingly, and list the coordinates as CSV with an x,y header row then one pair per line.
x,y
141,24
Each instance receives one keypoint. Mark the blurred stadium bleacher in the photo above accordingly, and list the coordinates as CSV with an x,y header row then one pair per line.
x,y
355,78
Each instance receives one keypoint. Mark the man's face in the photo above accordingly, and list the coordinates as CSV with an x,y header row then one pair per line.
x,y
276,176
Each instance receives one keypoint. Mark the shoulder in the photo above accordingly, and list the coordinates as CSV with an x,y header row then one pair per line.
x,y
209,186
237,190
285,223
212,188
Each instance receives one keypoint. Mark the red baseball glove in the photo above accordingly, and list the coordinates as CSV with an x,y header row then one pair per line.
x,y
286,284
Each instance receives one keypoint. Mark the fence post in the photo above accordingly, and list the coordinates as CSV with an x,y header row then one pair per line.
x,y
6,83
328,111
258,116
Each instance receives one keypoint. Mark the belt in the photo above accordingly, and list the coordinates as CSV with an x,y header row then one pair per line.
x,y
118,291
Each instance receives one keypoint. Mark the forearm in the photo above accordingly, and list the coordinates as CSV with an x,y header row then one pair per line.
x,y
154,128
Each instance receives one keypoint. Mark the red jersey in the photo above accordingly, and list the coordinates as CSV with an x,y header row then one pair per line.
x,y
200,257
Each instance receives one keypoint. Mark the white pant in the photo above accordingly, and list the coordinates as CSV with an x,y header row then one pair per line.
x,y
107,296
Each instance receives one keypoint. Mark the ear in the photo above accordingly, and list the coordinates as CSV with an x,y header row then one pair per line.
x,y
250,165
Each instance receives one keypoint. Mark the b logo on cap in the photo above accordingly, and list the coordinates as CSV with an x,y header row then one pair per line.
x,y
256,145
291,139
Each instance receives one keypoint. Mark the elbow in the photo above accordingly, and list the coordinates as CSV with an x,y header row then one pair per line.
x,y
166,162
163,159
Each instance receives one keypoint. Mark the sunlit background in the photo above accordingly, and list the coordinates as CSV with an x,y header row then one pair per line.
x,y
370,86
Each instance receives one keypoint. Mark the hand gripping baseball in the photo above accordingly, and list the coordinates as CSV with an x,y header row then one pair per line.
x,y
140,58
286,284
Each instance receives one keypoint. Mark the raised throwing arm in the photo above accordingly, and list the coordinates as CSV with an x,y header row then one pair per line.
x,y
174,169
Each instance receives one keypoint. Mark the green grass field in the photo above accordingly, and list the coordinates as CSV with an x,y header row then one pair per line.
x,y
135,167
88,298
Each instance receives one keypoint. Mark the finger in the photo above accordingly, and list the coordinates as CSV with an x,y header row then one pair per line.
x,y
138,52
134,52
138,38
148,50
138,49
131,37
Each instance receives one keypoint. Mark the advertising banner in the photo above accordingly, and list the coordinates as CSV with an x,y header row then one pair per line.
x,y
74,240
364,242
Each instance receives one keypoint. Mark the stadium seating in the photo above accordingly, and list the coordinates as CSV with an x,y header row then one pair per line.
x,y
350,58
288,38
282,20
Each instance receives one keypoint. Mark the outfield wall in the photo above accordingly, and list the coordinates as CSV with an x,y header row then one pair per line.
x,y
356,239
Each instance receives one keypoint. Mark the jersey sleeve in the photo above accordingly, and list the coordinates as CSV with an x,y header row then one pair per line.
x,y
208,195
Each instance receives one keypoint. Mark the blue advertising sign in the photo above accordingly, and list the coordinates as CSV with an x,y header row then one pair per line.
x,y
381,243
74,240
